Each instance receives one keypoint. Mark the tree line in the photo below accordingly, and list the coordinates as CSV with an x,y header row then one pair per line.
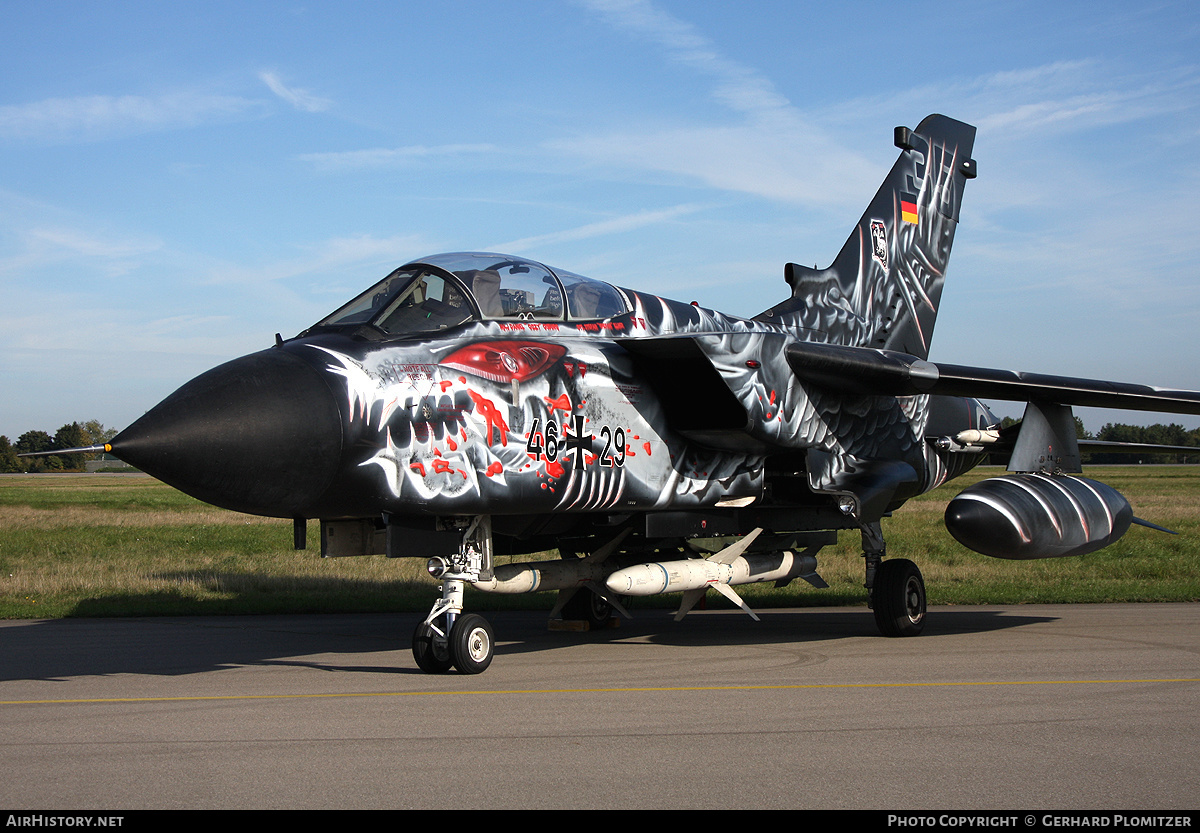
x,y
73,435
92,432
1157,434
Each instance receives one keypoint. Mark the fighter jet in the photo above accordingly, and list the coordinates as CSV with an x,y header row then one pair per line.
x,y
475,405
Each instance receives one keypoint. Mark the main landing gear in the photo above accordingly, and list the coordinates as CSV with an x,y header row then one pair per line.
x,y
448,637
895,589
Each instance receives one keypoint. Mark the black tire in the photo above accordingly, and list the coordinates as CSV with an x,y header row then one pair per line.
x,y
471,644
431,657
586,606
898,598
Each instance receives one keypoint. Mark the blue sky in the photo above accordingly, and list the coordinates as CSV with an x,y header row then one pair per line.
x,y
180,181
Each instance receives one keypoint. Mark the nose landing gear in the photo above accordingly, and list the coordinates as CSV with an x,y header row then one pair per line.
x,y
447,637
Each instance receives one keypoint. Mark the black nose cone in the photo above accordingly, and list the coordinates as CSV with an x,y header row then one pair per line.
x,y
260,434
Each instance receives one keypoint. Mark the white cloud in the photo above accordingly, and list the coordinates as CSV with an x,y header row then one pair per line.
x,y
738,87
1047,99
385,157
772,151
335,255
615,225
84,244
104,116
778,163
95,252
298,98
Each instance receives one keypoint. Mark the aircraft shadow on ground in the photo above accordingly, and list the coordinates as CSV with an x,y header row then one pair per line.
x,y
729,627
172,646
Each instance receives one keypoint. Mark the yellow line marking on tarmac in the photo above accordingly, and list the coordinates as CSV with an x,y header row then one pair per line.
x,y
621,690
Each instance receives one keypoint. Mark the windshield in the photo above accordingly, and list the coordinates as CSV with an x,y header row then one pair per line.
x,y
447,290
427,302
363,308
410,300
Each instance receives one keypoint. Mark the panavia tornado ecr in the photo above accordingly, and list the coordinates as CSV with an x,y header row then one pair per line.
x,y
472,406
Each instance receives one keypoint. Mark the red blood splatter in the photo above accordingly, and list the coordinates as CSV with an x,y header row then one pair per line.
x,y
562,403
450,442
493,417
445,384
419,467
647,447
495,468
555,469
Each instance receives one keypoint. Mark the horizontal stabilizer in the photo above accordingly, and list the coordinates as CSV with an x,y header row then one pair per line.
x,y
863,370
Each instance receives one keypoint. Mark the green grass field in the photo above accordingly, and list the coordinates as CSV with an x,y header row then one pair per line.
x,y
117,545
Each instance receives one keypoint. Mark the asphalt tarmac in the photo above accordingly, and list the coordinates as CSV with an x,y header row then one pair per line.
x,y
1031,707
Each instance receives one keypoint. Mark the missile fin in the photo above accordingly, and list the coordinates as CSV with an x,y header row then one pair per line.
x,y
815,580
690,598
811,576
566,595
610,597
560,602
597,557
608,549
735,550
731,594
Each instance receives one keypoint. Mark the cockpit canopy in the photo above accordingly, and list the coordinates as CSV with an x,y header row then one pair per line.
x,y
442,291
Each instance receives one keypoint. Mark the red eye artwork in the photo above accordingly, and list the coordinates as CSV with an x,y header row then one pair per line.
x,y
505,361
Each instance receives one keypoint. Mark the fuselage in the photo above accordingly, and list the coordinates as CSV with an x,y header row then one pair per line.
x,y
482,384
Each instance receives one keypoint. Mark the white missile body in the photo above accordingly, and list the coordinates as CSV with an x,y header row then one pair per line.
x,y
531,576
731,565
564,574
700,573
692,576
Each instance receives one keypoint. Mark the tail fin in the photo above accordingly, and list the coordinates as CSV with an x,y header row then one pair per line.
x,y
885,285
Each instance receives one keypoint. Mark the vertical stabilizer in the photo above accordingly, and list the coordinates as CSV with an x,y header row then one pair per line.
x,y
885,285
